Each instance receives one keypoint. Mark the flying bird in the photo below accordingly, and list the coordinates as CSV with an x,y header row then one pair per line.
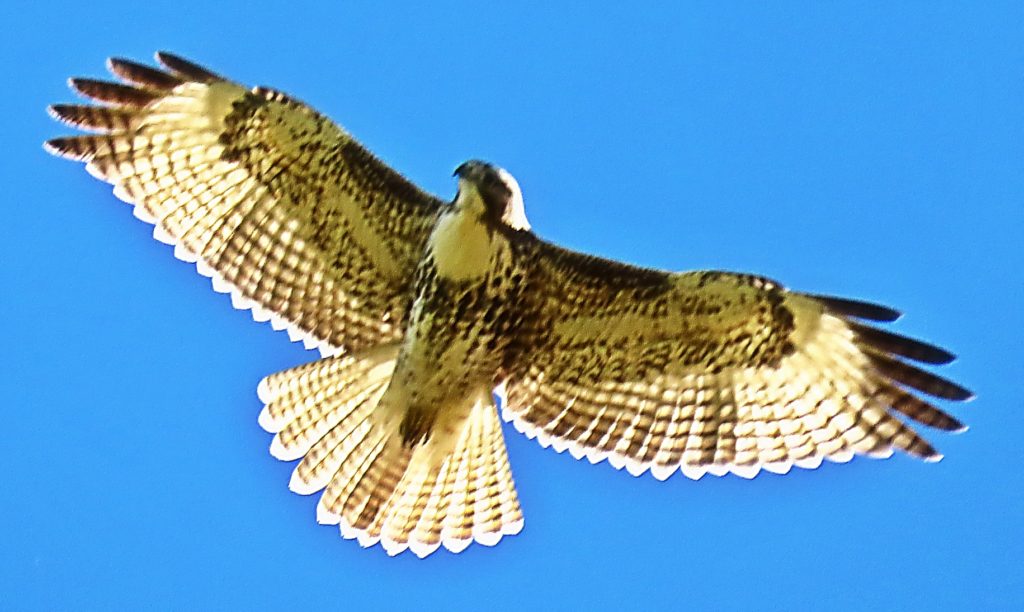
x,y
425,311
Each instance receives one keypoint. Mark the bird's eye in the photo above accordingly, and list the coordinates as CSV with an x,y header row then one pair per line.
x,y
494,183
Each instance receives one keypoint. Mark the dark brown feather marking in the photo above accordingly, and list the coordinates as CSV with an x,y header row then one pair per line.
x,y
94,118
186,69
916,378
113,93
80,148
921,411
141,75
903,346
856,308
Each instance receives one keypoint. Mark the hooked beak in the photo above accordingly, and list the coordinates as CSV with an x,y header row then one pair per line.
x,y
470,168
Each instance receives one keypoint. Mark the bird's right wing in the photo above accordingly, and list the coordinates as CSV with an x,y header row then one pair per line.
x,y
710,371
280,206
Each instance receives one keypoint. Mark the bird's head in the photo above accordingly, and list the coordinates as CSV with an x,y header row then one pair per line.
x,y
494,190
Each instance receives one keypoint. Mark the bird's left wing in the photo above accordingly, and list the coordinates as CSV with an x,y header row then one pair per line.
x,y
280,206
710,372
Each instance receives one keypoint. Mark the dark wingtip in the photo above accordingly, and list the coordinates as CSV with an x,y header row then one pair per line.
x,y
51,148
92,117
888,342
69,114
857,309
929,353
111,93
139,74
949,423
916,378
957,393
922,449
61,147
185,68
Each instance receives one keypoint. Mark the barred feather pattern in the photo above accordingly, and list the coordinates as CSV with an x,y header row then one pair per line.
x,y
639,375
279,206
377,489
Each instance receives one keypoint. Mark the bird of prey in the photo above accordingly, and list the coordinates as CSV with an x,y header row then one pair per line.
x,y
426,311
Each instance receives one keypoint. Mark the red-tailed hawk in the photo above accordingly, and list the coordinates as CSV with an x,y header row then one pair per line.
x,y
423,309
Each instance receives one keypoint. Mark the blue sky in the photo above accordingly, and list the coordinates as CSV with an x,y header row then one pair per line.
x,y
872,152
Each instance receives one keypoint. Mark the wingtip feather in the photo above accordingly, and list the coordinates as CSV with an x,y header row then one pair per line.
x,y
68,147
896,344
139,74
916,378
856,308
51,147
185,68
112,93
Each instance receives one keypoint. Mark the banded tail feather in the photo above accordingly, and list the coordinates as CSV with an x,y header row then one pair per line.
x,y
451,489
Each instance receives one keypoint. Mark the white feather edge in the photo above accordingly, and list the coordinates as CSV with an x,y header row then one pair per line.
x,y
391,547
238,301
279,451
663,472
418,548
220,284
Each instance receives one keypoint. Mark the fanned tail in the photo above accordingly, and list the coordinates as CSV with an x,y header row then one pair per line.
x,y
450,489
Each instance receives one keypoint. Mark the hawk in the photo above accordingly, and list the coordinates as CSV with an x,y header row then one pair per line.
x,y
424,311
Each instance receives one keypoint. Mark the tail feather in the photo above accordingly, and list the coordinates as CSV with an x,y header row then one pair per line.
x,y
408,510
452,489
291,394
375,489
425,534
323,460
297,438
350,473
454,534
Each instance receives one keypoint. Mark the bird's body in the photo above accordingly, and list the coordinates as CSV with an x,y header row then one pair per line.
x,y
461,319
424,309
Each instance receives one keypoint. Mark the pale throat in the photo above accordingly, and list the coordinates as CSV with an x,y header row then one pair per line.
x,y
462,245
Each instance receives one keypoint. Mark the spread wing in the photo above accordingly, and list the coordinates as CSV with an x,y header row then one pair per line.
x,y
711,371
280,206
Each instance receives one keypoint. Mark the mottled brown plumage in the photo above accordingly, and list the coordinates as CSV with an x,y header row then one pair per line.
x,y
423,308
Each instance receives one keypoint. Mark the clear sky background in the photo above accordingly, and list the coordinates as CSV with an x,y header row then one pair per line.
x,y
872,152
